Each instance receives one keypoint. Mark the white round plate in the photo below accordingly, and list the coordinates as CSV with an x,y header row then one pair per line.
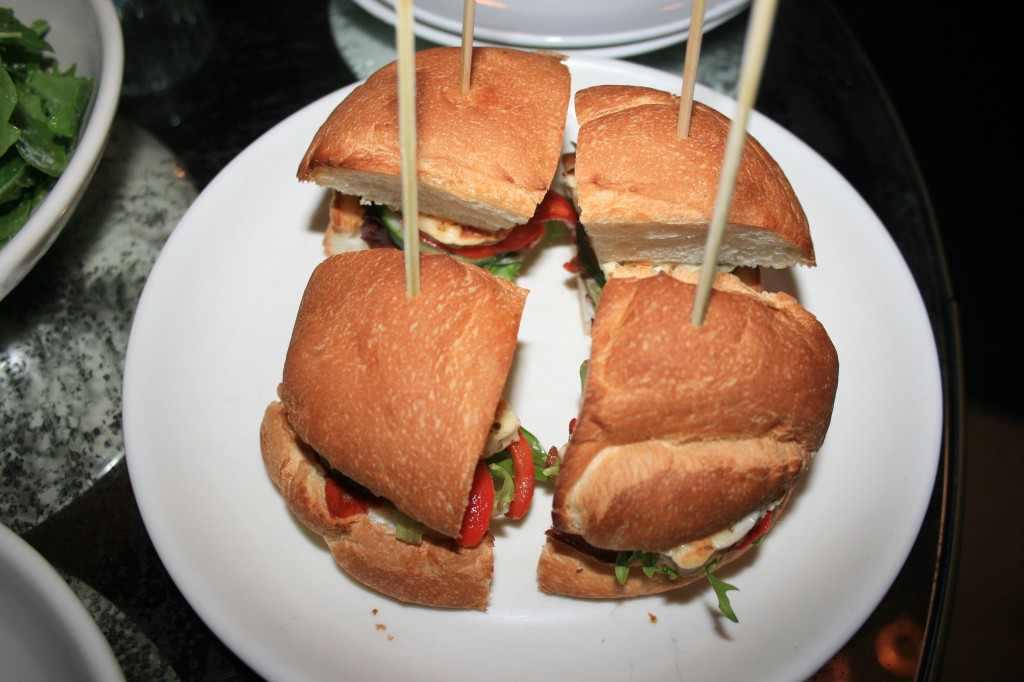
x,y
205,357
85,33
570,23
45,631
596,49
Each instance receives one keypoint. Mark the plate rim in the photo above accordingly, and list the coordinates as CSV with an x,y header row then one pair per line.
x,y
718,11
378,10
614,67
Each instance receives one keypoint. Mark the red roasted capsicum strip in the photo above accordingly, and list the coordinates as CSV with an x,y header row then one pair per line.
x,y
478,513
757,531
342,502
555,207
525,236
522,237
523,477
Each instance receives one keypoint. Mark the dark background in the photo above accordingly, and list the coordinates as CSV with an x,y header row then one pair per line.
x,y
951,78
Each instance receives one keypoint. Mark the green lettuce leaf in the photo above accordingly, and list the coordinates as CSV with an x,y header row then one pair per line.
x,y
41,113
407,529
540,456
504,484
650,564
721,589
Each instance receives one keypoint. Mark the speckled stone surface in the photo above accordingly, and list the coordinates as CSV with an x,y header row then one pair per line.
x,y
135,653
64,330
63,335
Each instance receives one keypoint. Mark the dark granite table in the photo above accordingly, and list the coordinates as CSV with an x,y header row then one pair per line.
x,y
63,331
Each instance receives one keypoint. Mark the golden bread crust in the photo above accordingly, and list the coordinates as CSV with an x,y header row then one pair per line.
x,y
484,159
683,430
647,194
569,571
399,393
434,573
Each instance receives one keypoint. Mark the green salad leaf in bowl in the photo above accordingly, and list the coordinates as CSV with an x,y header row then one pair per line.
x,y
41,114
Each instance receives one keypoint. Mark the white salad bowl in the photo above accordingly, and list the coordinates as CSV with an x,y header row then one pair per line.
x,y
87,34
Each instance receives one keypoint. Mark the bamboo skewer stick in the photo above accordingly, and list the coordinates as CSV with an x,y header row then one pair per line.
x,y
406,47
755,49
690,67
468,19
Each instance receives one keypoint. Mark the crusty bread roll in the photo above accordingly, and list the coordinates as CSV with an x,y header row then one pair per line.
x,y
566,570
646,194
570,568
484,159
399,393
437,572
683,430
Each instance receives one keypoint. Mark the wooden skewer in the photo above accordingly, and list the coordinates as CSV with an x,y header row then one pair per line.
x,y
690,67
468,19
755,49
406,47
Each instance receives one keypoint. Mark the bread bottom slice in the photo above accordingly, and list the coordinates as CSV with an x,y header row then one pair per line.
x,y
571,572
436,572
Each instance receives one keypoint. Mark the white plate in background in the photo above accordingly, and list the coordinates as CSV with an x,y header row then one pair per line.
x,y
591,47
206,354
45,631
570,23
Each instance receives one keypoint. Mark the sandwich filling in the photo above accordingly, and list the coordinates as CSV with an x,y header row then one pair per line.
x,y
687,558
510,464
355,226
699,555
702,555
